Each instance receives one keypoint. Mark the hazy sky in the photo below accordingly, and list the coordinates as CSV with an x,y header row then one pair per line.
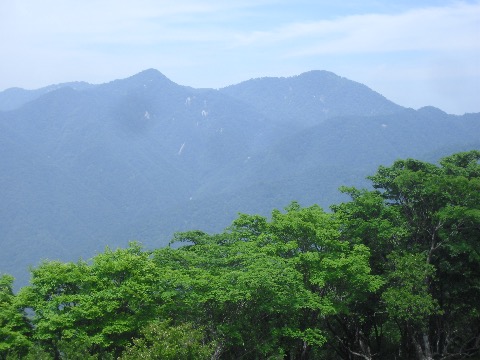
x,y
415,52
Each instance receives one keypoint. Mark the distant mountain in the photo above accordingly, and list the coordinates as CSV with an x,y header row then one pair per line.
x,y
14,98
86,166
311,97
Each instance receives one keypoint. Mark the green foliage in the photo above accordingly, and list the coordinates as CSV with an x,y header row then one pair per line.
x,y
407,296
161,340
395,272
101,305
270,284
422,225
14,328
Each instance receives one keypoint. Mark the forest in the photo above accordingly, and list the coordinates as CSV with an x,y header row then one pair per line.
x,y
393,273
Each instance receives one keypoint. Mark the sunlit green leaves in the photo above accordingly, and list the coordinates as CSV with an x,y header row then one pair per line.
x,y
165,341
407,296
14,329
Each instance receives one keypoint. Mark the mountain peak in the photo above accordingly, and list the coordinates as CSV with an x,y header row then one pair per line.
x,y
144,79
318,73
150,75
432,110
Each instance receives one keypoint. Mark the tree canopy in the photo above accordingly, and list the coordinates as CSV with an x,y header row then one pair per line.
x,y
392,273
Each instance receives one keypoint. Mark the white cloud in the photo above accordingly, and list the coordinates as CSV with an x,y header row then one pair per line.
x,y
57,23
449,28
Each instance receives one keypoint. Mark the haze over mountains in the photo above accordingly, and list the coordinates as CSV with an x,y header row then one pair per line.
x,y
85,166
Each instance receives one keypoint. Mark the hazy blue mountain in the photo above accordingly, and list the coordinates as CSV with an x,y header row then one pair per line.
x,y
310,165
87,166
14,98
311,97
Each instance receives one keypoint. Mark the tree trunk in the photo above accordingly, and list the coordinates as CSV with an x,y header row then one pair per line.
x,y
218,352
423,353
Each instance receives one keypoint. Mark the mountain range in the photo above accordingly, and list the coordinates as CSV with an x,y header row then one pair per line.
x,y
87,166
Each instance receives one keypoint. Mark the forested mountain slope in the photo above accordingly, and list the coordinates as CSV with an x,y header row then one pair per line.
x,y
85,166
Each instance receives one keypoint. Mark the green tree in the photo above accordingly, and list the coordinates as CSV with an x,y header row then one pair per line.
x,y
162,340
98,307
119,297
336,271
14,326
264,289
242,294
422,226
54,292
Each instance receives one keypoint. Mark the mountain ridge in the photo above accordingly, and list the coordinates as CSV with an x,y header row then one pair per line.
x,y
154,74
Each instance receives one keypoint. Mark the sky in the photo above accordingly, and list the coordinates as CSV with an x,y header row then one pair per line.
x,y
414,52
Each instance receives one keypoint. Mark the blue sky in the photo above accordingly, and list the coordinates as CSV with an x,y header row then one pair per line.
x,y
415,53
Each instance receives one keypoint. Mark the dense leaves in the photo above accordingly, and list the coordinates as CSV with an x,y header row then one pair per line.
x,y
422,226
393,273
14,328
